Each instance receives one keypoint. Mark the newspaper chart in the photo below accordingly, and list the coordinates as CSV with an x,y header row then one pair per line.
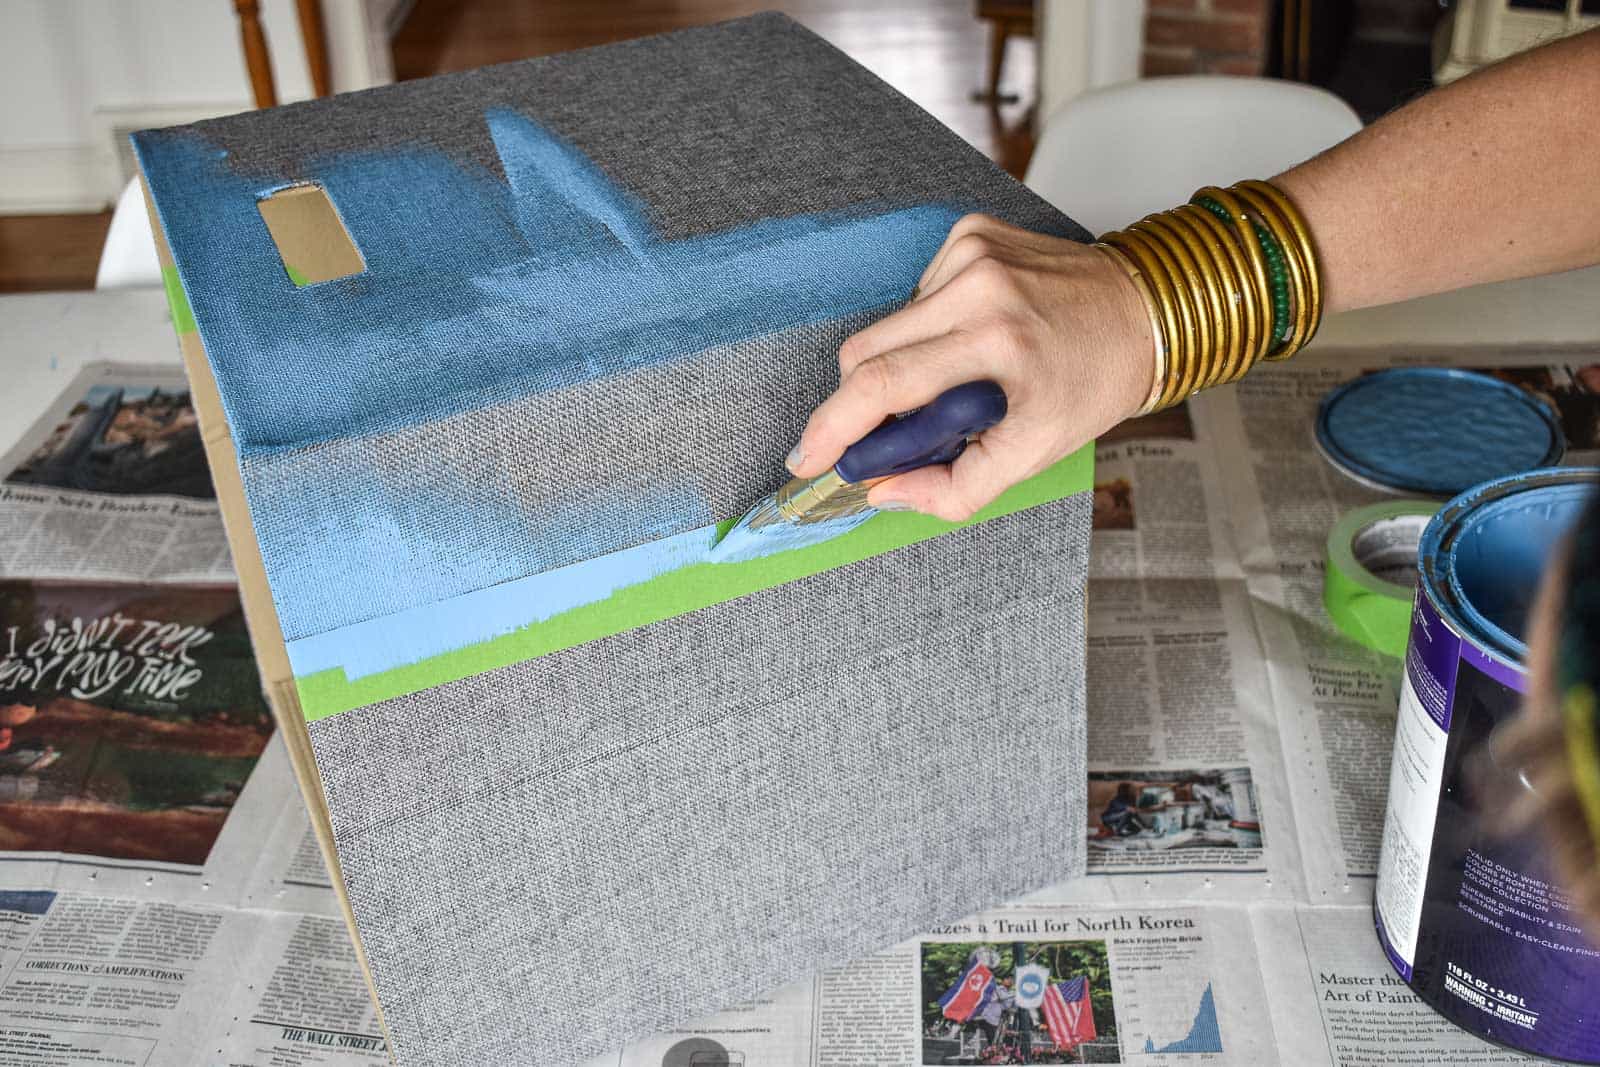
x,y
162,900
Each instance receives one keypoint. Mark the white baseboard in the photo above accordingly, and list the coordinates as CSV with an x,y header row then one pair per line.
x,y
64,179
113,124
54,180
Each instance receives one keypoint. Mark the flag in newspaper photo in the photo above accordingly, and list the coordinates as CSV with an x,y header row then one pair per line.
x,y
1067,1013
968,996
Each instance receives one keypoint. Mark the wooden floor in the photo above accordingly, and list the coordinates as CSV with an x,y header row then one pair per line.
x,y
933,51
50,251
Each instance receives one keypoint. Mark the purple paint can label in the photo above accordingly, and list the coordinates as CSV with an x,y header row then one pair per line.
x,y
1416,772
1466,912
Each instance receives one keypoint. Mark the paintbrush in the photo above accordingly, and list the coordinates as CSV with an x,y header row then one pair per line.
x,y
808,511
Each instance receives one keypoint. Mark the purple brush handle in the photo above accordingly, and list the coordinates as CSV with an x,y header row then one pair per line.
x,y
935,433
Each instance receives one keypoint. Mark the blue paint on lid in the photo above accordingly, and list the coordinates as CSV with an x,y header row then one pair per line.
x,y
1435,431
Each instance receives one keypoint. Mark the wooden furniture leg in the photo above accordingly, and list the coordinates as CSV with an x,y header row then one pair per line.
x,y
311,31
999,34
1007,19
256,59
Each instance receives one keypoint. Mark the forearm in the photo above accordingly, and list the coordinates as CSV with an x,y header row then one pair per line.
x,y
1496,176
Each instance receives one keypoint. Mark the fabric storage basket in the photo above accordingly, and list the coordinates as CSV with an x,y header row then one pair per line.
x,y
492,355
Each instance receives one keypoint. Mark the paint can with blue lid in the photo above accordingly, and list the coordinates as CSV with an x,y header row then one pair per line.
x,y
1466,913
1434,431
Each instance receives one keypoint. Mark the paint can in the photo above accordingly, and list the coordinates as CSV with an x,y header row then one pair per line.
x,y
1468,915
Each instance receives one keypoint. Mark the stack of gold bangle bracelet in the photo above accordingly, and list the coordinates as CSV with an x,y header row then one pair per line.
x,y
1228,279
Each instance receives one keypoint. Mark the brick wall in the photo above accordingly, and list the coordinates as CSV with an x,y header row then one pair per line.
x,y
1206,36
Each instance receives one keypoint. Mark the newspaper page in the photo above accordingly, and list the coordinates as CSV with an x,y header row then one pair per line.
x,y
1235,799
158,903
1185,783
111,483
1167,985
1337,1000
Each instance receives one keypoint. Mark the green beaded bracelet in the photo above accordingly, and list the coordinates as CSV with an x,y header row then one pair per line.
x,y
1277,269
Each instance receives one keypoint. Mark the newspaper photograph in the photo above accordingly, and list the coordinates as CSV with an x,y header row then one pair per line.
x,y
131,716
123,439
1045,1002
1147,985
111,482
1173,811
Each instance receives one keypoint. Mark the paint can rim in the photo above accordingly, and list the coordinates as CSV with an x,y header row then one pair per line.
x,y
1436,560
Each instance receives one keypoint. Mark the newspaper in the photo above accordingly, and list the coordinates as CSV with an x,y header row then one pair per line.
x,y
1185,787
159,900
1238,754
1157,982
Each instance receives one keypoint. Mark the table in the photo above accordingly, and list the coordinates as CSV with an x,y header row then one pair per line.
x,y
45,339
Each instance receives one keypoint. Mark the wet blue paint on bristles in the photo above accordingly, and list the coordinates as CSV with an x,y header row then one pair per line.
x,y
744,542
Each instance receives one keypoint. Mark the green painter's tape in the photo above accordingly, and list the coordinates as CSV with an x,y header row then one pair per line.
x,y
177,301
1370,577
677,592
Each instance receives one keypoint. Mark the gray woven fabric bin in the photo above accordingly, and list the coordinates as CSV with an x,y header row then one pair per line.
x,y
552,857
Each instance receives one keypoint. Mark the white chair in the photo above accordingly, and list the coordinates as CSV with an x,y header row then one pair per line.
x,y
128,259
1112,156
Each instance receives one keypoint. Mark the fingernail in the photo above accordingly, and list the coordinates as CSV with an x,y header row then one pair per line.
x,y
894,505
796,456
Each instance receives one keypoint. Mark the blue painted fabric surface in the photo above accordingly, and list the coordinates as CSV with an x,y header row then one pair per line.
x,y
481,291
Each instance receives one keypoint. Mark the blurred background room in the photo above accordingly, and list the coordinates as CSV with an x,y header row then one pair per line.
x,y
80,75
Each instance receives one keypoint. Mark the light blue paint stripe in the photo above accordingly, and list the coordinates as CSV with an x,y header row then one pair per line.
x,y
417,633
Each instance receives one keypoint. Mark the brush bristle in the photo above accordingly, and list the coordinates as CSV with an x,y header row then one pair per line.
x,y
1552,807
765,530
1563,661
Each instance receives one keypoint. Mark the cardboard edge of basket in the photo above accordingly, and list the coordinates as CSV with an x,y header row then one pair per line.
x,y
261,618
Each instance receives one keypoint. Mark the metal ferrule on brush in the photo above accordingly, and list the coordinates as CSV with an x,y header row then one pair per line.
x,y
802,501
934,433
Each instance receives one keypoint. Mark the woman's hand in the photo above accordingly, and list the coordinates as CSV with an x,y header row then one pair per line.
x,y
1058,325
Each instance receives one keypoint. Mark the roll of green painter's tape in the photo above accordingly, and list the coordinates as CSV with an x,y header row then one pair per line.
x,y
1370,578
